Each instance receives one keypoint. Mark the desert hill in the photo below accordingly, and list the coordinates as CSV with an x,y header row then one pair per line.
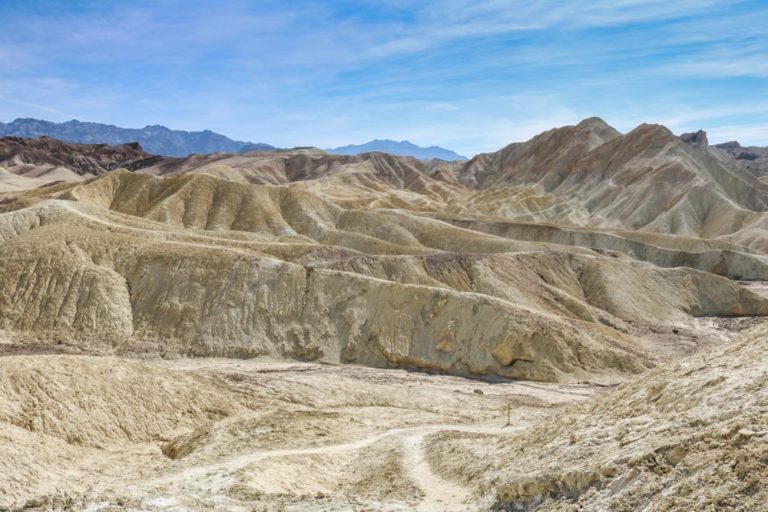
x,y
37,162
646,180
752,158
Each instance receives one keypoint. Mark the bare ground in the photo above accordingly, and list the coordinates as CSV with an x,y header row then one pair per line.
x,y
304,436
307,437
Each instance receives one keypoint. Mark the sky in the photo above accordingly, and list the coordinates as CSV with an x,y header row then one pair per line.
x,y
468,75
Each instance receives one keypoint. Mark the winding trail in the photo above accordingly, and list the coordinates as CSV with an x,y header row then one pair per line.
x,y
439,495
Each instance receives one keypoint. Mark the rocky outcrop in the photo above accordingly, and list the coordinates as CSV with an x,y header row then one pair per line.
x,y
91,159
697,139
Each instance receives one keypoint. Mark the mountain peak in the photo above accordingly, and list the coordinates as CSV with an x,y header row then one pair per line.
x,y
596,131
594,122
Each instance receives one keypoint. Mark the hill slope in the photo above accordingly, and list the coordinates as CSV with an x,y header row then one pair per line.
x,y
130,258
646,180
689,435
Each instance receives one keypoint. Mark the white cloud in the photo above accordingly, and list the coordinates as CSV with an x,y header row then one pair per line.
x,y
40,109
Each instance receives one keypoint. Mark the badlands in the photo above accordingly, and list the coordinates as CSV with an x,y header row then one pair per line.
x,y
570,323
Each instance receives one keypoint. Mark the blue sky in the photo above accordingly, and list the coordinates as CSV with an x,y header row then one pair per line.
x,y
470,75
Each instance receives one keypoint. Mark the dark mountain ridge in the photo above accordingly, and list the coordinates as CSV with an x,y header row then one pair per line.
x,y
154,139
80,158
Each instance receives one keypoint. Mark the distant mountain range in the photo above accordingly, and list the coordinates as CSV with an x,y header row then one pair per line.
x,y
155,139
159,140
402,148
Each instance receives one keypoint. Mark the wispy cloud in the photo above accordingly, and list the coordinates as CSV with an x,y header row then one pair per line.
x,y
470,75
39,109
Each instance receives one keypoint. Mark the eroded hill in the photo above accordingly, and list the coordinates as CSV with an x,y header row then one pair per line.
x,y
380,260
281,300
205,266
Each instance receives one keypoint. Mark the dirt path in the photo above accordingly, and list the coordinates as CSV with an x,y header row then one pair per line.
x,y
439,495
302,437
